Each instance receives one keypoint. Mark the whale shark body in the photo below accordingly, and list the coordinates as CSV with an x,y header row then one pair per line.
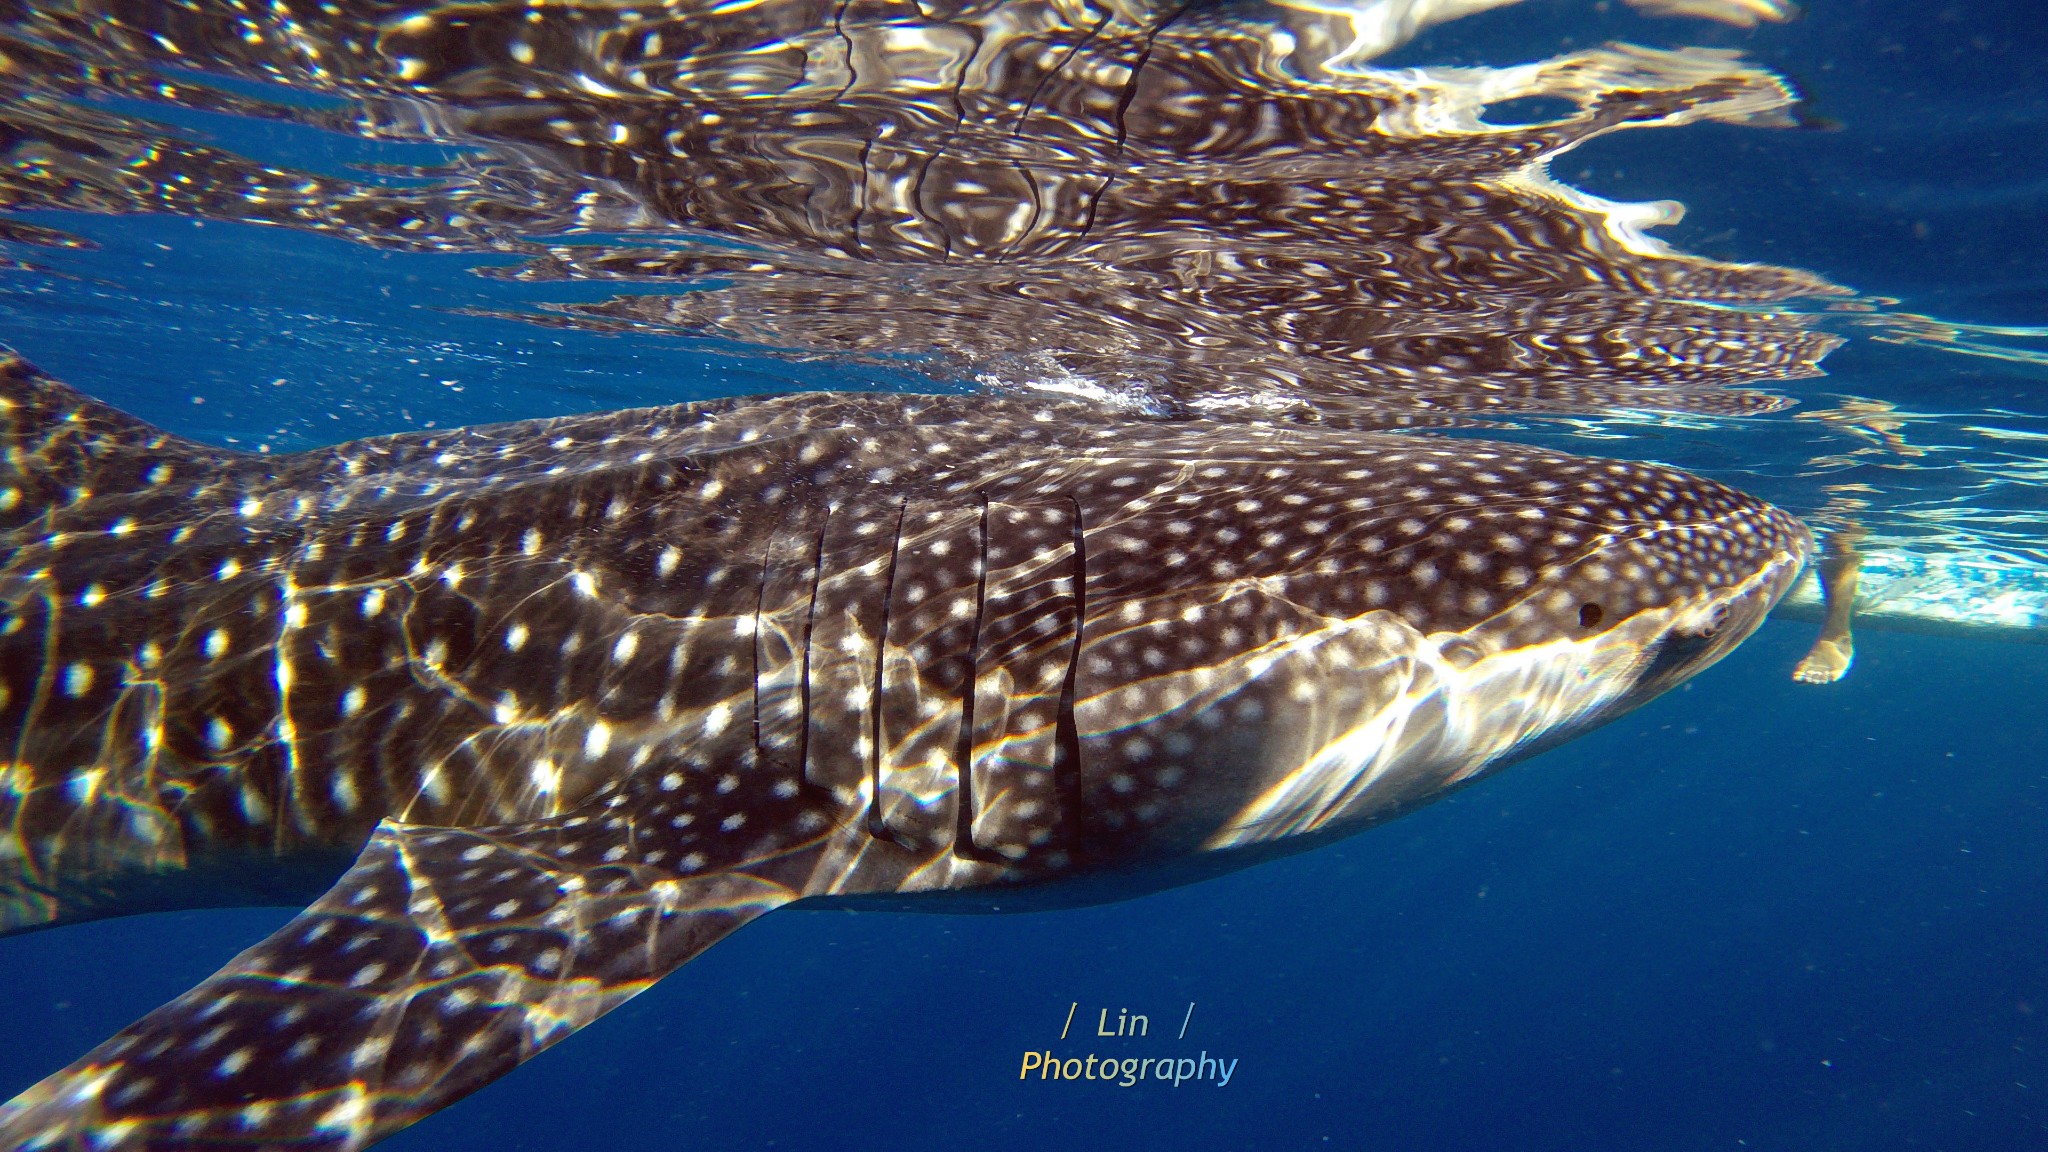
x,y
536,712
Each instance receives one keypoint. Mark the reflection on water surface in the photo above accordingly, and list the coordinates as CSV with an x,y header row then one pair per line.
x,y
1214,208
1174,207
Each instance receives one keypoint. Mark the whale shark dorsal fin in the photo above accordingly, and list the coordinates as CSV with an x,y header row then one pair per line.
x,y
440,961
56,442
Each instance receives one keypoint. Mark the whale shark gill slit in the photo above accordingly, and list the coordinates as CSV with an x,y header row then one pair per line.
x,y
963,748
877,825
1066,765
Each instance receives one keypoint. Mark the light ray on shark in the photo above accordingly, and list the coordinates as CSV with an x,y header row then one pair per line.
x,y
580,696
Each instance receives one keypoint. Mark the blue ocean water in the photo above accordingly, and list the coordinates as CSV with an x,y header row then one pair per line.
x,y
1753,914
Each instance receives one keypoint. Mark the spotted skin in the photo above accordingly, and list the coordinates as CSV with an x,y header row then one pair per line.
x,y
580,696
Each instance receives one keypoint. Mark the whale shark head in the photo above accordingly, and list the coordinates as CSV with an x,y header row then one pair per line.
x,y
1355,624
1280,633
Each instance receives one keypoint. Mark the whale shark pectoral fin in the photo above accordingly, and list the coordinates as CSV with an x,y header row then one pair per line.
x,y
440,961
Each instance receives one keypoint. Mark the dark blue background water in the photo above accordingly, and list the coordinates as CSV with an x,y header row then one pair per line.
x,y
1753,915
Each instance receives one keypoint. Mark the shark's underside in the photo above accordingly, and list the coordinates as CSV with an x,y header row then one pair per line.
x,y
580,696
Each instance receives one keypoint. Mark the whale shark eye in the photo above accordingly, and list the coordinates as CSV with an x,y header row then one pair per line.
x,y
1590,615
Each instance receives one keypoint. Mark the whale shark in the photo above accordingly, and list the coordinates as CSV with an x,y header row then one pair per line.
x,y
527,715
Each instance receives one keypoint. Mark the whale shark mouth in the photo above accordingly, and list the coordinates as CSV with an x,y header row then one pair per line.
x,y
1458,717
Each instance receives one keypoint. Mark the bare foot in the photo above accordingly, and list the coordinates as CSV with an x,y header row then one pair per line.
x,y
1828,661
1835,648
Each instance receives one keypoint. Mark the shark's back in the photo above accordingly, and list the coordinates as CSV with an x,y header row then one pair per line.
x,y
219,671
